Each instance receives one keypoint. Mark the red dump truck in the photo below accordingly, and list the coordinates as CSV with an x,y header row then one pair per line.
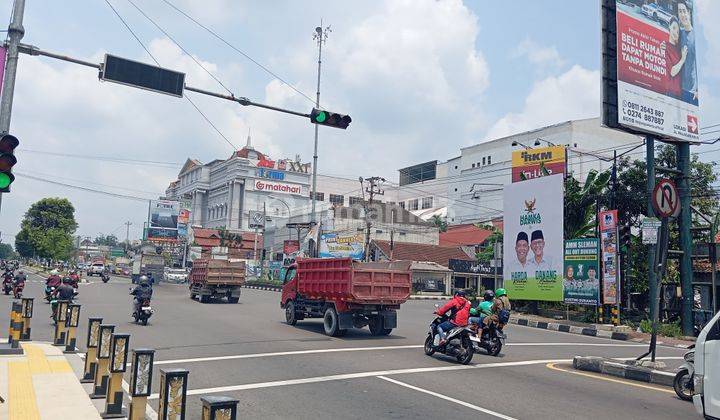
x,y
211,278
345,293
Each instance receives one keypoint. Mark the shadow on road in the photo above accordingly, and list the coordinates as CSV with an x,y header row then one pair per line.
x,y
352,334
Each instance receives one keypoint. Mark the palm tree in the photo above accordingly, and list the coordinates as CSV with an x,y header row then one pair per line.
x,y
581,203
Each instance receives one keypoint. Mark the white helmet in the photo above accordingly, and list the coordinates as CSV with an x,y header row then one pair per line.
x,y
54,272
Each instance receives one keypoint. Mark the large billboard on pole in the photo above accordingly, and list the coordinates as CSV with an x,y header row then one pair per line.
x,y
164,215
533,239
608,222
650,80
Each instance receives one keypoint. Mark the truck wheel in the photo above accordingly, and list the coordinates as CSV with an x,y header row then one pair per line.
x,y
290,315
331,323
204,298
233,299
376,326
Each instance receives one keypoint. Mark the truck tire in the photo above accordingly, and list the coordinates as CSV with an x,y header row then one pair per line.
x,y
376,326
290,314
204,298
331,323
233,299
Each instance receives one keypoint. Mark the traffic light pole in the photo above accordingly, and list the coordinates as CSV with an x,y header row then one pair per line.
x,y
321,36
15,34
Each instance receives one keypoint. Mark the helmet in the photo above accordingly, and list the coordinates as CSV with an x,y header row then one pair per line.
x,y
54,273
500,292
488,296
460,293
143,280
485,307
20,272
66,280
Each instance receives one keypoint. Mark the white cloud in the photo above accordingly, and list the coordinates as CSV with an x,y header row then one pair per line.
x,y
573,95
538,54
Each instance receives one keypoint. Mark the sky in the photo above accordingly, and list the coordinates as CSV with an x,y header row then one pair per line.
x,y
420,78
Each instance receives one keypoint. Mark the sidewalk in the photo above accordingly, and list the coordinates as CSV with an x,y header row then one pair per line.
x,y
41,384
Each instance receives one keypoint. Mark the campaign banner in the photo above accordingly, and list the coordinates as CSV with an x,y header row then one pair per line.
x,y
533,239
608,222
657,80
581,284
162,235
337,245
528,163
278,187
164,214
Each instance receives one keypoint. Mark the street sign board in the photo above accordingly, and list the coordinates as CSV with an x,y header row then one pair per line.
x,y
650,226
143,76
666,200
256,220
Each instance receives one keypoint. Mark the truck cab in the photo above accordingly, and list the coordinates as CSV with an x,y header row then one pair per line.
x,y
707,370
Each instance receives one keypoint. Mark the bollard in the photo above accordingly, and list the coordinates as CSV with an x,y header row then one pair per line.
x,y
71,323
27,313
103,356
118,359
60,316
615,318
219,408
91,355
173,392
141,382
16,324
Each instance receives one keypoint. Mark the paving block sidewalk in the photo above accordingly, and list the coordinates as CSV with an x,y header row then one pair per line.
x,y
41,384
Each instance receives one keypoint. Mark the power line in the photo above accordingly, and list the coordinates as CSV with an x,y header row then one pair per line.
x,y
169,165
154,193
158,63
92,190
236,49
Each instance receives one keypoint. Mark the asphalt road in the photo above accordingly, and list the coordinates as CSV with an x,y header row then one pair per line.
x,y
246,351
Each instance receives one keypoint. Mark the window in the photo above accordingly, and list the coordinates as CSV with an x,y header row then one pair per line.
x,y
355,200
392,203
418,173
402,205
413,204
473,165
427,202
319,196
455,166
483,161
489,160
337,200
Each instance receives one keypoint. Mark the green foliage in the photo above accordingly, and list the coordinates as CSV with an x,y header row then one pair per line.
x,y
581,203
47,228
666,330
487,252
6,252
439,222
107,240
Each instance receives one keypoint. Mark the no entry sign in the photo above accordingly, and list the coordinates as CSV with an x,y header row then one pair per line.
x,y
666,200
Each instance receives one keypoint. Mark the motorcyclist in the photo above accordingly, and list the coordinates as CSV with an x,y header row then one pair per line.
x,y
501,307
480,316
7,277
459,308
74,279
54,280
142,292
64,292
19,280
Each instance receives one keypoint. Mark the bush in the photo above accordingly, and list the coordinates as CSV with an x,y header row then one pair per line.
x,y
667,330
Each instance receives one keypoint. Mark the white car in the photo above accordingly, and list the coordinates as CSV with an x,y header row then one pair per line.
x,y
175,275
96,268
657,13
706,397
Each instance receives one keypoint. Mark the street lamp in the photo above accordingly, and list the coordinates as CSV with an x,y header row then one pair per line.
x,y
517,143
272,197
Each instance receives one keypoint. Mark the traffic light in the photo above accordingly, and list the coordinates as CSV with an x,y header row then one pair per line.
x,y
331,119
8,143
625,237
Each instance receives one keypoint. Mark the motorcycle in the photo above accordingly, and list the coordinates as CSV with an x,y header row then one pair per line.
x,y
7,285
683,384
143,313
491,340
458,342
48,293
105,277
18,289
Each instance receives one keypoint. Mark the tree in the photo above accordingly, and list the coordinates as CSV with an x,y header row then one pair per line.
x,y
6,252
487,253
108,240
581,203
439,222
47,228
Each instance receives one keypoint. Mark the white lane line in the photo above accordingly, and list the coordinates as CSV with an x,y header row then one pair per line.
x,y
446,398
354,349
357,375
149,411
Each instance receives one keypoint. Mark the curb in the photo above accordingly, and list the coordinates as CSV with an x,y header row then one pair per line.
x,y
420,297
270,289
592,332
621,370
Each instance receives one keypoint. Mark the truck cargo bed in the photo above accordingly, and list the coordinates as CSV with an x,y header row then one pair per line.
x,y
218,272
356,282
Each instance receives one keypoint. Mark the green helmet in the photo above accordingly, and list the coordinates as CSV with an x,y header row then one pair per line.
x,y
500,292
486,307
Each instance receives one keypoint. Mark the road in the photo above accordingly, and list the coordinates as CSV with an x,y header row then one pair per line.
x,y
246,351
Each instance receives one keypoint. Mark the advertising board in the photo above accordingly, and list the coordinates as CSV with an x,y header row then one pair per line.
x,y
528,163
338,245
581,282
608,222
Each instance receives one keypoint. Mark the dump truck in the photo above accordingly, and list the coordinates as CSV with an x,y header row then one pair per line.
x,y
148,264
214,278
345,293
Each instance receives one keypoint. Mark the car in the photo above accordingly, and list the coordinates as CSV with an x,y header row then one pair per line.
x,y
96,268
706,380
656,13
175,275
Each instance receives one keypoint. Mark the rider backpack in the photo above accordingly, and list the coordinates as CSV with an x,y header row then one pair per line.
x,y
504,316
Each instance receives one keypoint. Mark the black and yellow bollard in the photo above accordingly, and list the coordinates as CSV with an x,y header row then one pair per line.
x,y
615,317
219,408
140,382
103,356
16,324
27,313
60,316
118,359
173,394
91,355
71,324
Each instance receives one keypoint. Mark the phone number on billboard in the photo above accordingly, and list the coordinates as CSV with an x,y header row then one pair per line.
x,y
642,112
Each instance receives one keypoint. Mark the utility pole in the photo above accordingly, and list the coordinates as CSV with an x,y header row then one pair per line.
x,y
127,235
320,36
372,190
15,34
392,234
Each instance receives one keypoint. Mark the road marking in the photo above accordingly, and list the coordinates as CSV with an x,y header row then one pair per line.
x,y
446,398
357,375
354,349
620,381
149,411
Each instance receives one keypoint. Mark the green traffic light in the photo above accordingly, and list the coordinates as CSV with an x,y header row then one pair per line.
x,y
4,180
321,116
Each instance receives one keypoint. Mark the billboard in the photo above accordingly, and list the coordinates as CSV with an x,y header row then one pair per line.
x,y
164,214
338,245
581,282
278,187
528,163
650,81
161,235
533,240
608,222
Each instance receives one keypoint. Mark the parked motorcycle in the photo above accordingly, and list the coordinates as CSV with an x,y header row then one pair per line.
x,y
458,342
684,380
143,313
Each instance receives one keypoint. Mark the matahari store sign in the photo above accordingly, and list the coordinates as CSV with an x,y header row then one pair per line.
x,y
278,187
